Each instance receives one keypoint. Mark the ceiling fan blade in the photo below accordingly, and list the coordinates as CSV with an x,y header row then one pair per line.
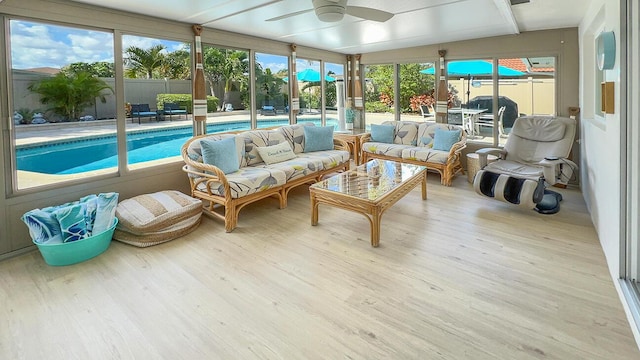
x,y
369,13
289,15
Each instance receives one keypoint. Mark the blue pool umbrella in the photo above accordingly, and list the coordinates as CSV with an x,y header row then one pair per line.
x,y
310,75
471,68
474,68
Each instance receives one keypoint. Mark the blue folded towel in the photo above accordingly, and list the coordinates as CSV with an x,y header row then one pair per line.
x,y
72,221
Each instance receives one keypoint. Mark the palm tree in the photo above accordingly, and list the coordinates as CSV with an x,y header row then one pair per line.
x,y
228,66
69,94
144,61
235,67
176,65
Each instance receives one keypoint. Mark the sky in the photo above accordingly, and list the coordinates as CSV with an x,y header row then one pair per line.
x,y
35,45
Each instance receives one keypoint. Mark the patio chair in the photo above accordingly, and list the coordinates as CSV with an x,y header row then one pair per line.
x,y
174,109
424,109
142,110
268,110
536,153
488,122
501,129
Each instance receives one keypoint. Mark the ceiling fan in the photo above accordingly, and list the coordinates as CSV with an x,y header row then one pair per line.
x,y
334,10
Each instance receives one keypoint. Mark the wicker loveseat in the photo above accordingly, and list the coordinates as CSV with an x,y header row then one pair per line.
x,y
256,180
413,143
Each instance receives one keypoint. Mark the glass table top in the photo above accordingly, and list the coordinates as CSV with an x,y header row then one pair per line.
x,y
372,180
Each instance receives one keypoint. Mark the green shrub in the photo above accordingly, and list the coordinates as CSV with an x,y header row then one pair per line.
x,y
69,94
377,107
184,100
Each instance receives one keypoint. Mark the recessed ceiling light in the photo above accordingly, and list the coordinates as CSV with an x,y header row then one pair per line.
x,y
517,2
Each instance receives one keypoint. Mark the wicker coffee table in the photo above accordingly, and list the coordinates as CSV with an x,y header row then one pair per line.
x,y
369,189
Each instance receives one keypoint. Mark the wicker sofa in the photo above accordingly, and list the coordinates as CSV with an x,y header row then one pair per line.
x,y
256,180
413,143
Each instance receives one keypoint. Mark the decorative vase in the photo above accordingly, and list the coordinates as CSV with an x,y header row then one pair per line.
x,y
350,116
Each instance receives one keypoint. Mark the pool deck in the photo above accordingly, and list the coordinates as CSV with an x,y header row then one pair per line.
x,y
30,134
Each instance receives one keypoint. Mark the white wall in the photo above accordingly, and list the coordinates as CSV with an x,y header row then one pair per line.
x,y
602,169
600,166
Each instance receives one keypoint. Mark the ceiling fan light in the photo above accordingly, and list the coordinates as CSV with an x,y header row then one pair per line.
x,y
330,13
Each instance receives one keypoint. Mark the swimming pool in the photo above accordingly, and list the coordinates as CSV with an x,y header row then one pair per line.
x,y
100,152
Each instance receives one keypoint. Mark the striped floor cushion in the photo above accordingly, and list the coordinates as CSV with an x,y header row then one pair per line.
x,y
152,219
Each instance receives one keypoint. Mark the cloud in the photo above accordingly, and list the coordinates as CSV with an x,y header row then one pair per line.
x,y
41,45
36,45
273,62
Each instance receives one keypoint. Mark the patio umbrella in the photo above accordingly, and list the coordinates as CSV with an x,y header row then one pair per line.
x,y
474,68
310,75
471,68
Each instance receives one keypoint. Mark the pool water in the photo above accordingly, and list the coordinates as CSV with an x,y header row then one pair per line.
x,y
77,156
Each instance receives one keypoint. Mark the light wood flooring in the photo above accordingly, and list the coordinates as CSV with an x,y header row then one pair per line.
x,y
456,276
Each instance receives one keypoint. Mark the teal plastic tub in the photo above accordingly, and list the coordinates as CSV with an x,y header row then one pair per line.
x,y
77,251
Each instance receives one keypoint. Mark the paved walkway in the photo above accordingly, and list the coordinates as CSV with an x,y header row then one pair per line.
x,y
30,134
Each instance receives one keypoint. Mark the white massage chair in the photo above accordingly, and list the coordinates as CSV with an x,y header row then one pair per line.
x,y
535,155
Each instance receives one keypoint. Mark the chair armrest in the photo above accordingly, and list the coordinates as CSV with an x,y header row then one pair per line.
x,y
340,145
206,173
366,137
484,152
456,149
555,171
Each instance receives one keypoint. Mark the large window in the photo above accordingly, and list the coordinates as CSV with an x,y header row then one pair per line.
x,y
227,79
272,95
417,92
379,93
63,103
334,94
532,92
471,93
309,86
157,90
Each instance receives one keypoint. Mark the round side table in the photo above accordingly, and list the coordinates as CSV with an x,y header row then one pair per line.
x,y
473,164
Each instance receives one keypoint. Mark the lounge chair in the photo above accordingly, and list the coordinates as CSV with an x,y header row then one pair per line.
x,y
142,110
173,109
268,110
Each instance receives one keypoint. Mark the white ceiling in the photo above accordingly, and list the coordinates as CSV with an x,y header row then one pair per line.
x,y
415,22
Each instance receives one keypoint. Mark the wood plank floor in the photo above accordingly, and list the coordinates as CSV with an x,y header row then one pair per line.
x,y
455,277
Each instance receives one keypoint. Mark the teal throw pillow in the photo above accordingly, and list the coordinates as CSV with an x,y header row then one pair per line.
x,y
318,138
444,139
221,153
382,133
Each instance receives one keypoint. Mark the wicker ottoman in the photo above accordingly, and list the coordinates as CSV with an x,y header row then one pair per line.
x,y
152,219
473,164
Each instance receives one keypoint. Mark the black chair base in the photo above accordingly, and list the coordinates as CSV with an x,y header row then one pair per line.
x,y
550,203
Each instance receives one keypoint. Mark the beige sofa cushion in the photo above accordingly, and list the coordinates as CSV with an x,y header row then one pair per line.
x,y
406,132
259,138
